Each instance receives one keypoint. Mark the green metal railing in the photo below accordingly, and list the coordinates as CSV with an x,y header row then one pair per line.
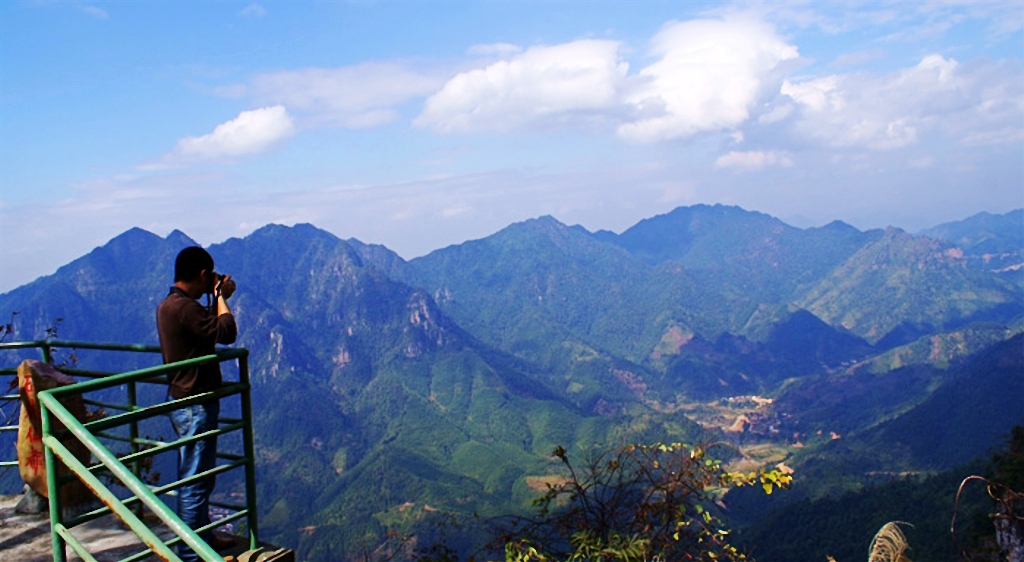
x,y
125,469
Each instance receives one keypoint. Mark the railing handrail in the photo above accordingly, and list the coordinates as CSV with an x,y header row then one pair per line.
x,y
48,401
50,407
137,347
222,354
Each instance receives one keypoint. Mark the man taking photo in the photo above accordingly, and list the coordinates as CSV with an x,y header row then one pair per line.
x,y
187,330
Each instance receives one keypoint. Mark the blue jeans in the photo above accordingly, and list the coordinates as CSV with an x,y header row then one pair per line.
x,y
195,458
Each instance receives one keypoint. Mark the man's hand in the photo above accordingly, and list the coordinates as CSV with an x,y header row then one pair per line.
x,y
226,287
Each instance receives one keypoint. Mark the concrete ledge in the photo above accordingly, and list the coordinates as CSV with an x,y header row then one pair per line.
x,y
26,538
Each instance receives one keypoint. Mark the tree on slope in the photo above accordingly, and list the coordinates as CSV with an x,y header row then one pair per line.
x,y
635,503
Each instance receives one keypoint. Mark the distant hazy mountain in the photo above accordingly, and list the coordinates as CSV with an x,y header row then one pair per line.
x,y
539,282
390,392
990,242
706,271
753,251
899,279
983,233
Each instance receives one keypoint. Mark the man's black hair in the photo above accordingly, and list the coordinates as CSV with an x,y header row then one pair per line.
x,y
190,262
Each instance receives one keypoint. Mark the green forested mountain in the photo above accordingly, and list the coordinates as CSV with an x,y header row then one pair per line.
x,y
919,418
368,398
983,232
753,254
706,271
842,525
393,394
541,282
899,279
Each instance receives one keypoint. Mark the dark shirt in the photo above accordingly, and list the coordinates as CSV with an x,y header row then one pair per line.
x,y
187,330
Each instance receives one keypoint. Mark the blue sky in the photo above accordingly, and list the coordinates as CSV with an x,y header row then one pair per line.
x,y
422,124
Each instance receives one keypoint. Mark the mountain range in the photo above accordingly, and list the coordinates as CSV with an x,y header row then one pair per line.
x,y
395,396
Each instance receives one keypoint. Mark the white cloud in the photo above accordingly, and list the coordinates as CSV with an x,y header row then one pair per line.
x,y
817,95
253,10
706,75
938,95
775,113
754,159
251,132
363,95
542,86
709,76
